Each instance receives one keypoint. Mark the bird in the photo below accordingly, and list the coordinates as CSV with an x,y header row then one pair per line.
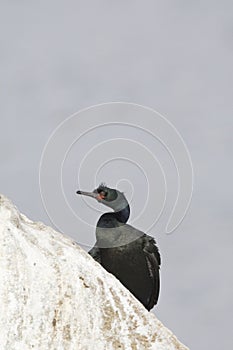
x,y
126,252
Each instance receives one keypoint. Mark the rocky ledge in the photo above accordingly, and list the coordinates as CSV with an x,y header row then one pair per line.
x,y
54,296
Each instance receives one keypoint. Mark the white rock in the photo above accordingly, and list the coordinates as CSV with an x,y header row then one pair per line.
x,y
53,295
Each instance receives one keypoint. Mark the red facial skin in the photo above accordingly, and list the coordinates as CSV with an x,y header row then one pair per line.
x,y
100,196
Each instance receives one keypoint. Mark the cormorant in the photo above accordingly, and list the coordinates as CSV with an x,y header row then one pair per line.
x,y
129,254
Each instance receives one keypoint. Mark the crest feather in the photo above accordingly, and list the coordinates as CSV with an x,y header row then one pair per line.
x,y
102,187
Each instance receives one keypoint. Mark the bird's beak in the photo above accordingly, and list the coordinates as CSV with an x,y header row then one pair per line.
x,y
89,194
99,197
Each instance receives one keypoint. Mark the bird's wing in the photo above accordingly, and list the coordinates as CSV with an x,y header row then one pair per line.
x,y
153,262
95,253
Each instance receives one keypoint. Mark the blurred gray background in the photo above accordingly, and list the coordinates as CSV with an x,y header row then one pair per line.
x,y
58,57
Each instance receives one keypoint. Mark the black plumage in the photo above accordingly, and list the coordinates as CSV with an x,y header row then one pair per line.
x,y
129,254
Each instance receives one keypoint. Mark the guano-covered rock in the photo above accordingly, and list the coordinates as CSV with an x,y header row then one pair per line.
x,y
54,296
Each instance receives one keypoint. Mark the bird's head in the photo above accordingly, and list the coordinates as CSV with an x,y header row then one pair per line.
x,y
108,196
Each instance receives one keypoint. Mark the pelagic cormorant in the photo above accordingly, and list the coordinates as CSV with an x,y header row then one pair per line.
x,y
129,254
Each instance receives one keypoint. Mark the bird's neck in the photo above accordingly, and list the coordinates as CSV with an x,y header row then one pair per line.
x,y
123,214
121,208
113,219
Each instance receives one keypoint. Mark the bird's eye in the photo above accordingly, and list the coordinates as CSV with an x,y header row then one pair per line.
x,y
103,194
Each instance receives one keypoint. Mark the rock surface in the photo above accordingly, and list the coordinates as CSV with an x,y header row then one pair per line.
x,y
54,296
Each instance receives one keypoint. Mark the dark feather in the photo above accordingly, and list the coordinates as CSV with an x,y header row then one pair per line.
x,y
153,260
